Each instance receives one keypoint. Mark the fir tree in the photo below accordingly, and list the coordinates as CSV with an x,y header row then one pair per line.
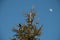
x,y
29,31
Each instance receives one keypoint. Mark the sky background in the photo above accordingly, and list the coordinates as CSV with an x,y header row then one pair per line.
x,y
48,11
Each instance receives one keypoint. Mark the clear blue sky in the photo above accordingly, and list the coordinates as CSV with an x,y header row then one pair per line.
x,y
11,13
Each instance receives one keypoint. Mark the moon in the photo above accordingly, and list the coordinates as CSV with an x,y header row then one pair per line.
x,y
51,10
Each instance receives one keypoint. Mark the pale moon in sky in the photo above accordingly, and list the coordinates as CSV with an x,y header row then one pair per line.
x,y
51,10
